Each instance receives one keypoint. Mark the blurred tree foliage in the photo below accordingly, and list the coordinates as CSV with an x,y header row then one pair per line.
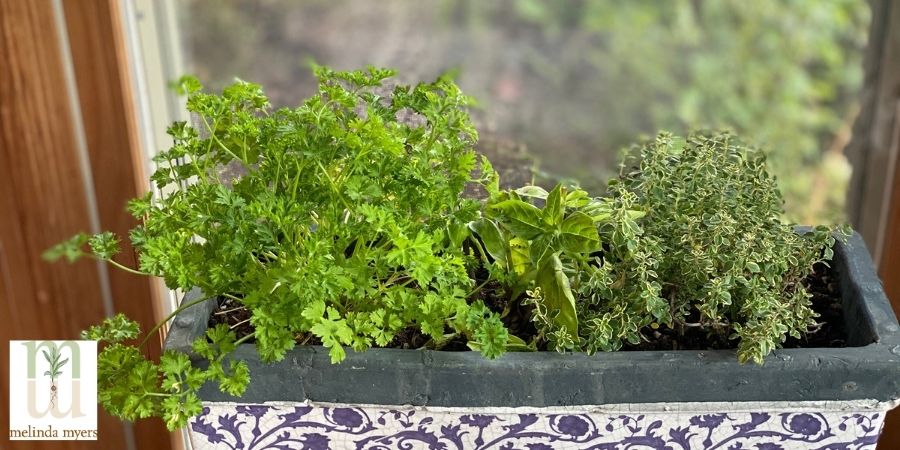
x,y
577,80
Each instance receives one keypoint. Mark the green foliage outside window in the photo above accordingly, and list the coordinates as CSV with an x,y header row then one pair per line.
x,y
578,80
786,73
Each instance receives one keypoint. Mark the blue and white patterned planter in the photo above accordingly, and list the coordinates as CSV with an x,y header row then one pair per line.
x,y
745,426
806,398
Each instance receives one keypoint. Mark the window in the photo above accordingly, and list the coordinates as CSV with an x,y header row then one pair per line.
x,y
569,84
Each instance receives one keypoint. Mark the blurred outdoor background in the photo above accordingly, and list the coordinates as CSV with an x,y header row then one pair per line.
x,y
572,83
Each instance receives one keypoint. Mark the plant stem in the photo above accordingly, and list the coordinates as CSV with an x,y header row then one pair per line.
x,y
170,316
212,135
239,323
334,187
126,268
155,394
219,313
478,288
703,325
231,297
244,339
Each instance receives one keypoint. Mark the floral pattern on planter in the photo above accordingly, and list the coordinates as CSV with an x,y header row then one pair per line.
x,y
308,427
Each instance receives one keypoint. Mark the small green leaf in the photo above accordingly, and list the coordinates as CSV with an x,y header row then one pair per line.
x,y
172,362
186,85
314,312
104,245
237,382
532,191
201,347
491,337
71,249
113,329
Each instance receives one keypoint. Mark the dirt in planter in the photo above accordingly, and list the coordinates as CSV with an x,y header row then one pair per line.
x,y
233,314
826,302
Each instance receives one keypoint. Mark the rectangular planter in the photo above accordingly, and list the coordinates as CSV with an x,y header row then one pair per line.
x,y
812,398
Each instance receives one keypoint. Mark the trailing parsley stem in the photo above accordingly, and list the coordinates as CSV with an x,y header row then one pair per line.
x,y
170,316
126,268
244,339
239,323
212,135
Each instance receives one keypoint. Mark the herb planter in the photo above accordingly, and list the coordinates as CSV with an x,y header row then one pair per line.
x,y
813,398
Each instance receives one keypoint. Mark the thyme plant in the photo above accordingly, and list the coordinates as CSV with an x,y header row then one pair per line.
x,y
722,255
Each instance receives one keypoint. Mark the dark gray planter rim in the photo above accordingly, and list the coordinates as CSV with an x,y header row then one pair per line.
x,y
869,371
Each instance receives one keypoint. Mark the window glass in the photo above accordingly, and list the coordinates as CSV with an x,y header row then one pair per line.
x,y
572,83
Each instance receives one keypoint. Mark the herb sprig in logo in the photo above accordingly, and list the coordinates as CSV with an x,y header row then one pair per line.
x,y
55,371
53,390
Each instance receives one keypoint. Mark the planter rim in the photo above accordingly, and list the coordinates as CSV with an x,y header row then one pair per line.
x,y
618,408
869,371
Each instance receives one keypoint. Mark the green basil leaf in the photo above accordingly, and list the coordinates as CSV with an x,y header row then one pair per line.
x,y
554,209
542,248
518,255
532,191
558,294
523,219
492,239
578,234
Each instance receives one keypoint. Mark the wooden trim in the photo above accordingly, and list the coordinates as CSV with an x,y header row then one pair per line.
x,y
890,263
103,80
43,190
43,200
869,151
890,274
875,154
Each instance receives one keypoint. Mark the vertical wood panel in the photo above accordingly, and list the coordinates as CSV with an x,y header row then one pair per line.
x,y
104,86
889,271
890,261
42,200
874,153
869,150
